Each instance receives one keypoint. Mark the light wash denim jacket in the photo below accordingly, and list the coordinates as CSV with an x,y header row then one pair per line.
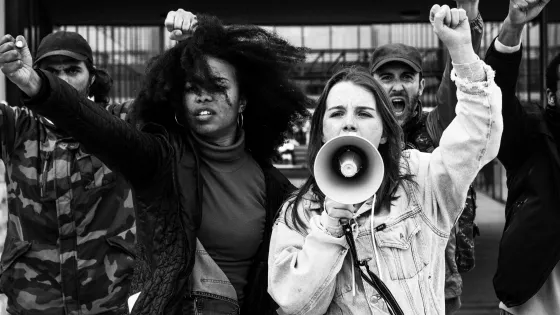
x,y
311,272
210,291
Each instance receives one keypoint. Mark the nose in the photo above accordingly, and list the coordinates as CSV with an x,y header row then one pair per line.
x,y
397,87
349,125
203,96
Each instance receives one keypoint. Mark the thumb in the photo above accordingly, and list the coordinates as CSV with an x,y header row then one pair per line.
x,y
21,45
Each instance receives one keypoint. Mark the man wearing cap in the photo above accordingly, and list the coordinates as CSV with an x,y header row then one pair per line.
x,y
71,228
398,68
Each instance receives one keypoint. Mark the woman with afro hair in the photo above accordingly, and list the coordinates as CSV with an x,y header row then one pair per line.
x,y
207,121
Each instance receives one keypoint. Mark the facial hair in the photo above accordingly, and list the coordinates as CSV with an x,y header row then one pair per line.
x,y
410,111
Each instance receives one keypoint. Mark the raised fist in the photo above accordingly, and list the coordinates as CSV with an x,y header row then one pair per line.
x,y
15,60
451,26
523,11
181,24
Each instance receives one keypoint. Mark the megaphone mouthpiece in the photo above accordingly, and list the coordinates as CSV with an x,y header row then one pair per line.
x,y
350,163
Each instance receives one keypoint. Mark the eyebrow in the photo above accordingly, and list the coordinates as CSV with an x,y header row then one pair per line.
x,y
357,108
64,68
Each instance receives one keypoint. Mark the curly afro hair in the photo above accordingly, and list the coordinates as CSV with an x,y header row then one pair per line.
x,y
262,62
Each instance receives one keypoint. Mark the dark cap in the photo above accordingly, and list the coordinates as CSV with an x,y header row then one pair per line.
x,y
396,52
63,43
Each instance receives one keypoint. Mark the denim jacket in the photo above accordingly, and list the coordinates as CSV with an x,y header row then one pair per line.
x,y
310,272
210,291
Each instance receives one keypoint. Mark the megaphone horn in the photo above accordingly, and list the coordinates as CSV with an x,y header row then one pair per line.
x,y
348,169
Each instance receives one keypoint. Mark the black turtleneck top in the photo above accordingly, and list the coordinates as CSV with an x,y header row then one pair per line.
x,y
233,208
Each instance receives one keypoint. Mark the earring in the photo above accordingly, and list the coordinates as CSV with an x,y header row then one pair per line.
x,y
177,121
240,120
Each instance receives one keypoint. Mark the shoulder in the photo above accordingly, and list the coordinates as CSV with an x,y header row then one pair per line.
x,y
417,135
412,160
306,208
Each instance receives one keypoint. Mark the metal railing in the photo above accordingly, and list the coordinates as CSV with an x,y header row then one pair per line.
x,y
125,50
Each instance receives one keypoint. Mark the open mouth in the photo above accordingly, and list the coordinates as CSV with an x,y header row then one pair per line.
x,y
398,105
204,113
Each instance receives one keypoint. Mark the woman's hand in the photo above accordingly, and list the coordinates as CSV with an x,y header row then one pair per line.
x,y
452,28
181,24
338,210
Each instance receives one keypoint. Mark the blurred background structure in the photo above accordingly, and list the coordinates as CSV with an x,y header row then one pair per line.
x,y
125,35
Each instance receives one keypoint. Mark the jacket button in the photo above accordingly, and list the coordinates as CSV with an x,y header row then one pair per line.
x,y
375,298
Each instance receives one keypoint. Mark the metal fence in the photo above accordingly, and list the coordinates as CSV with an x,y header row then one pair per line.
x,y
125,50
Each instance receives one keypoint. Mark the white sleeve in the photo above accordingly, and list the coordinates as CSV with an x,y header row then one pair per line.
x,y
307,265
469,142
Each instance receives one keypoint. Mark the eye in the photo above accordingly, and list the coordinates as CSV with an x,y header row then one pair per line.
x,y
73,70
337,113
365,114
386,78
408,77
191,88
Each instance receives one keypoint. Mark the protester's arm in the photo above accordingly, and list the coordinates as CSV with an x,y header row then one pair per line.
x,y
446,96
306,264
504,56
137,155
470,141
506,66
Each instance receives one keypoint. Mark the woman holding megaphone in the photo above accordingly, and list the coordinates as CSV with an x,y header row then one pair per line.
x,y
366,233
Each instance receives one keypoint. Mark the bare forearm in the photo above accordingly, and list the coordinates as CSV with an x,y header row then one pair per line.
x,y
462,54
471,7
510,34
33,86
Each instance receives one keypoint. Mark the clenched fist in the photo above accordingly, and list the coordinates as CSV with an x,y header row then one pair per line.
x,y
17,64
452,28
181,24
522,11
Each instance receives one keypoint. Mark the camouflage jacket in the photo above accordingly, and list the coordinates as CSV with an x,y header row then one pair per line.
x,y
71,227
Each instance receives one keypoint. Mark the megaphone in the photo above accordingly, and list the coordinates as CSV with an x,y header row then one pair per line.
x,y
348,169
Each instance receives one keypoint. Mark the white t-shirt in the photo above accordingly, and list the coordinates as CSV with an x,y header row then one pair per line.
x,y
545,302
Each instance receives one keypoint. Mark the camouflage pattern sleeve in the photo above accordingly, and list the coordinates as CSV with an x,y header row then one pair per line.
x,y
8,117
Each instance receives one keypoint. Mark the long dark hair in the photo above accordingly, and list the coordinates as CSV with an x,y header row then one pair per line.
x,y
101,87
391,151
262,63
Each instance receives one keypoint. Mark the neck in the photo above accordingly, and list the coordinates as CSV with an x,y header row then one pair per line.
x,y
222,141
